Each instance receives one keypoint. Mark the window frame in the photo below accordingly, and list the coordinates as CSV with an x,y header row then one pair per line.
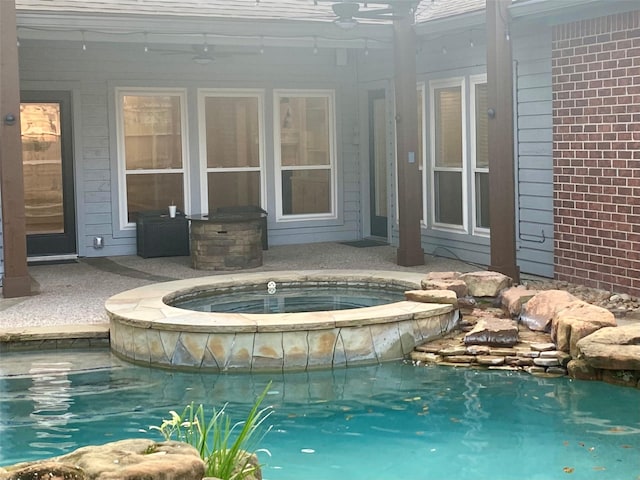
x,y
120,93
422,161
473,81
330,95
202,94
434,85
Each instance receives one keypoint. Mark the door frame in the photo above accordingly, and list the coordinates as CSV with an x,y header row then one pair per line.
x,y
56,245
379,226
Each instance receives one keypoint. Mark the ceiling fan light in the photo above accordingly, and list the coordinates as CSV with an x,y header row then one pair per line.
x,y
200,60
346,23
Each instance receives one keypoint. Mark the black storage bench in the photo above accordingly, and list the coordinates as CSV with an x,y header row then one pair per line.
x,y
159,235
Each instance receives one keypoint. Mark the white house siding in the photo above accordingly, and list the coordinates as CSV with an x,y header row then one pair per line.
x,y
534,162
96,72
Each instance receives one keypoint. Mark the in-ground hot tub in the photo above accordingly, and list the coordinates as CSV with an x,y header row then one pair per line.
x,y
147,329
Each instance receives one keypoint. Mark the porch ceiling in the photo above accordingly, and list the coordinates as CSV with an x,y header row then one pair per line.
x,y
296,10
281,23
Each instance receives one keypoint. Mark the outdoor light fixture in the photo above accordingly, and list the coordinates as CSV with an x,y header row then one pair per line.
x,y
346,23
205,44
202,60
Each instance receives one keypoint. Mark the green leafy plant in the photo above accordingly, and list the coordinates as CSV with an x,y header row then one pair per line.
x,y
226,448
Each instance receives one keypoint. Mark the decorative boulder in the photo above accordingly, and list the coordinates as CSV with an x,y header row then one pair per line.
x,y
576,322
581,370
538,312
467,304
445,281
124,460
45,470
443,276
494,332
612,348
433,296
513,298
486,283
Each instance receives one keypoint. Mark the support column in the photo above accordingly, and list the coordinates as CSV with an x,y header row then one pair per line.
x,y
409,192
501,160
16,281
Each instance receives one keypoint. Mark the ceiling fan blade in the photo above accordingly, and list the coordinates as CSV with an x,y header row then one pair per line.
x,y
348,10
168,51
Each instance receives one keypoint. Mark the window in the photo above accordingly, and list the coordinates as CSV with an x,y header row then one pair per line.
x,y
305,154
480,153
448,156
232,148
151,151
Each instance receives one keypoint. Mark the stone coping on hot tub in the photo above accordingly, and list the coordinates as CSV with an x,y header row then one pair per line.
x,y
146,330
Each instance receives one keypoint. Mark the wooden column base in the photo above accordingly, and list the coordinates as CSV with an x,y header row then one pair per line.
x,y
13,287
410,257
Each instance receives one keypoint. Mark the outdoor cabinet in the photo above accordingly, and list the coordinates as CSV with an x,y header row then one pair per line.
x,y
159,235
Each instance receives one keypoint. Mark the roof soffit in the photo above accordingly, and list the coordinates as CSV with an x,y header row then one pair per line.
x,y
553,12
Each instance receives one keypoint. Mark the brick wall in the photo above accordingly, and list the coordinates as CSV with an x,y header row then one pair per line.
x,y
596,152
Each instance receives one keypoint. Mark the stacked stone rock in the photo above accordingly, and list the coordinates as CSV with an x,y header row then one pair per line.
x,y
547,332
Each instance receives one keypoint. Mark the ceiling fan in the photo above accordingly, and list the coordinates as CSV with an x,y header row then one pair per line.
x,y
348,11
200,54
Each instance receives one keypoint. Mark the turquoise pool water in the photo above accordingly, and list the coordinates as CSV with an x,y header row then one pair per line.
x,y
386,422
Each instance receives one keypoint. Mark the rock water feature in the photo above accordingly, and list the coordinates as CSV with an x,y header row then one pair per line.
x,y
538,331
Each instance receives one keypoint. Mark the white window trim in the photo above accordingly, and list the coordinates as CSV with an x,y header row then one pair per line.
x,y
473,81
422,88
330,94
204,93
433,85
120,92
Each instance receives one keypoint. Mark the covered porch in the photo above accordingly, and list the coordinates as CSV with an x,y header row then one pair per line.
x,y
312,122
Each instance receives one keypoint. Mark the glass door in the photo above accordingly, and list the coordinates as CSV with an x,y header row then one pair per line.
x,y
378,162
47,160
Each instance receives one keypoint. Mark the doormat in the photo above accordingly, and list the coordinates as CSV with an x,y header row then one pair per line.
x,y
365,243
59,261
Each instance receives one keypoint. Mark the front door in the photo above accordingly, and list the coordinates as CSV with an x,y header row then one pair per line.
x,y
47,162
378,162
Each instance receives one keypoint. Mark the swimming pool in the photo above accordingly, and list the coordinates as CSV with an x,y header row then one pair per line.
x,y
389,421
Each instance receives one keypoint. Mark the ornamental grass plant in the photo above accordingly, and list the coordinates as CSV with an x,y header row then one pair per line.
x,y
226,447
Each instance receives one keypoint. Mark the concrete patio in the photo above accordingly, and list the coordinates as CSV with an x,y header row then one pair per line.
x,y
74,294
